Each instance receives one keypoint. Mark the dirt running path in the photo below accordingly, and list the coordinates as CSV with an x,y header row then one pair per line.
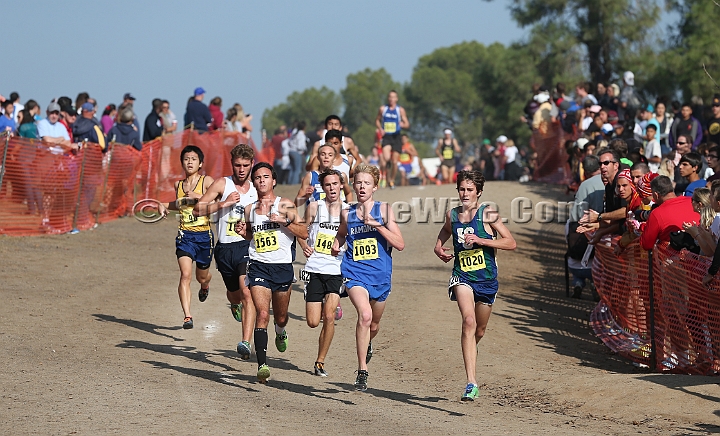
x,y
92,343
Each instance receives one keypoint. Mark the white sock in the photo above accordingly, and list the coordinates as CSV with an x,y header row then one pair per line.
x,y
279,329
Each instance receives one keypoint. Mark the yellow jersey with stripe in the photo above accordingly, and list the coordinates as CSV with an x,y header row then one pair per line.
x,y
188,221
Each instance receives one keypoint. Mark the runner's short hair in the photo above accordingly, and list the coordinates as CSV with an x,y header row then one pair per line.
x,y
261,165
328,173
333,134
367,169
192,149
242,151
332,117
325,145
474,176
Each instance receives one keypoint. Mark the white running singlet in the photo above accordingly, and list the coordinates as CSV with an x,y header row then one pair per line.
x,y
321,236
271,242
228,216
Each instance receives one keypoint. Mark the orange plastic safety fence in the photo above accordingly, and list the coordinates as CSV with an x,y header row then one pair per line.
x,y
621,320
46,189
686,314
552,165
687,332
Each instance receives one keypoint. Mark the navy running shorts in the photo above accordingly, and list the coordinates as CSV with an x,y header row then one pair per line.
x,y
320,285
198,246
231,261
277,277
483,292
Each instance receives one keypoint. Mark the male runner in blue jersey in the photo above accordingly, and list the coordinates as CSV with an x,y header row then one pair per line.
x,y
391,118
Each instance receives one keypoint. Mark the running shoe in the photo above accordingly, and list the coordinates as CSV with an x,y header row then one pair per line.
x,y
188,322
281,341
369,353
320,369
263,373
338,313
203,294
361,380
236,310
471,392
243,349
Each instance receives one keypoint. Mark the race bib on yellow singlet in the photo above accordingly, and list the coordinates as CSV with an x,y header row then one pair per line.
x,y
266,241
189,219
448,153
390,127
365,249
472,260
323,243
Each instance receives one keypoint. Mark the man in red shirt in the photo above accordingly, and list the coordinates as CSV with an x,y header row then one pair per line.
x,y
669,215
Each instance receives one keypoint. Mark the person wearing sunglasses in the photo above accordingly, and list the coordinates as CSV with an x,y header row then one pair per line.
x,y
608,220
713,159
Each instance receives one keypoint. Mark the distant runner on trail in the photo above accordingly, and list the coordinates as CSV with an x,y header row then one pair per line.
x,y
474,229
194,241
228,196
391,118
370,230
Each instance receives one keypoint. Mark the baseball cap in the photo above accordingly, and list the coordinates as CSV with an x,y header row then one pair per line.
x,y
199,91
69,110
128,96
542,97
486,141
565,105
650,108
87,107
612,117
607,128
595,108
581,143
629,78
716,100
502,139
53,107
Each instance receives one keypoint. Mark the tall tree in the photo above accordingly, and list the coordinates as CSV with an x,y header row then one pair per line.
x,y
364,92
311,105
608,30
477,91
697,42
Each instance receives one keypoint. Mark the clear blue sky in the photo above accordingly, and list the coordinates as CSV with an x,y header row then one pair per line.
x,y
254,53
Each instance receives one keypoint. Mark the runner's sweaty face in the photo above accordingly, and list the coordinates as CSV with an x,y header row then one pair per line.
x,y
336,143
331,186
263,181
392,99
364,186
468,193
326,156
191,163
333,125
241,169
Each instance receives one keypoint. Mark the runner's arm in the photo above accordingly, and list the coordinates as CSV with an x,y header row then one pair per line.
x,y
296,224
438,147
390,231
304,192
340,235
309,164
404,123
208,203
456,146
506,241
353,150
378,120
443,236
310,212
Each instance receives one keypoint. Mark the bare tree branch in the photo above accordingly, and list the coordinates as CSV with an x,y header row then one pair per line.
x,y
708,74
